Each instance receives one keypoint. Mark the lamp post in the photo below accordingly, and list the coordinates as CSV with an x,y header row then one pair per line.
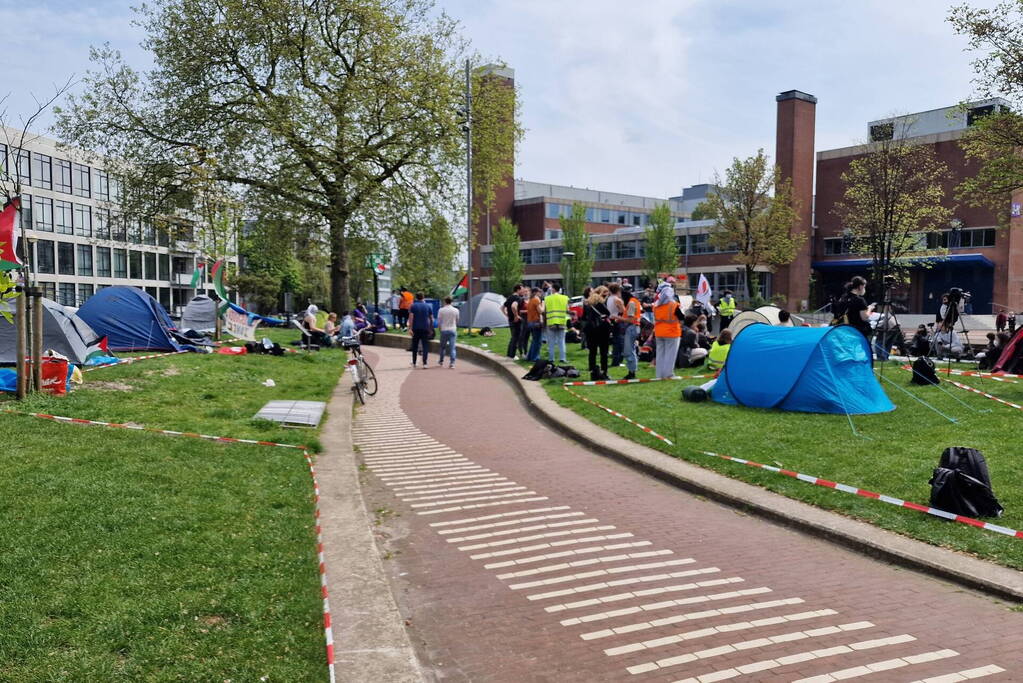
x,y
568,255
614,276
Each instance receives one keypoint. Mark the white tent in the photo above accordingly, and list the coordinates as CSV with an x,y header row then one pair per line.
x,y
200,314
486,308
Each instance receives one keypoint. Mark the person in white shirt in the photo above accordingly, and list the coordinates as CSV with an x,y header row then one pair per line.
x,y
946,343
394,303
447,320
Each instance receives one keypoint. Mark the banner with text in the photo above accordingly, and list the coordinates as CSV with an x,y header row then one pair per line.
x,y
238,325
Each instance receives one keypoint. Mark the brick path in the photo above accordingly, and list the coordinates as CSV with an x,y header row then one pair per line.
x,y
515,555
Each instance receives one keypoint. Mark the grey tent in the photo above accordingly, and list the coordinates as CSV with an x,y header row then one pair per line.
x,y
200,314
486,308
63,332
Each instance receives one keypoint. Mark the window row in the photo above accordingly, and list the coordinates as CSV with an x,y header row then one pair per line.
x,y
968,238
598,215
616,250
46,172
66,258
66,218
71,294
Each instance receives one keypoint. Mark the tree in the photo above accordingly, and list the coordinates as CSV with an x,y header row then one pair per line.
x,y
892,197
755,215
576,271
426,255
505,261
661,248
323,106
702,212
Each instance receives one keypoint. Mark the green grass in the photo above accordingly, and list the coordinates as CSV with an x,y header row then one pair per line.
x,y
135,556
896,458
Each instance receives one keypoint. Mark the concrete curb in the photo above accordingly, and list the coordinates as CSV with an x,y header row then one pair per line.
x,y
370,641
969,572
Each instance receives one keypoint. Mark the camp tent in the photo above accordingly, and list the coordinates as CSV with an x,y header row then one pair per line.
x,y
131,319
200,314
747,318
487,311
63,332
804,369
1009,360
771,313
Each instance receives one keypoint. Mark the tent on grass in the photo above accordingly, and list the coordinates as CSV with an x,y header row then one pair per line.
x,y
200,314
63,332
1011,358
803,369
131,319
486,308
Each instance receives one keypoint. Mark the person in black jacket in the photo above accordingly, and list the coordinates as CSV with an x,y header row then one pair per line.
x,y
852,308
596,321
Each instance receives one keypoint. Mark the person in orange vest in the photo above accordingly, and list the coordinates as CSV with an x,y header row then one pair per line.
x,y
404,306
667,328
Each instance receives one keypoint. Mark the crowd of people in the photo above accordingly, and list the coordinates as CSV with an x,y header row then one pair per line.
x,y
349,323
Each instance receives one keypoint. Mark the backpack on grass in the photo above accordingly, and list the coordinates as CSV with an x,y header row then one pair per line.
x,y
961,484
924,372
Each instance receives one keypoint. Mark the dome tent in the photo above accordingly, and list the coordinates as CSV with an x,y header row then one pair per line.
x,y
131,319
486,308
63,332
803,369
200,314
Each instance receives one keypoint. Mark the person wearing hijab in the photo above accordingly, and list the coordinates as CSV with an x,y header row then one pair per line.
x,y
668,319
317,335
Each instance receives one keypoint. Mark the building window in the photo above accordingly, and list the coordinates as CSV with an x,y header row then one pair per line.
x,y
102,223
485,259
83,220
882,131
62,218
85,259
977,237
164,267
526,255
603,251
149,233
977,113
42,170
66,294
135,232
83,181
621,217
103,261
150,261
102,185
65,258
835,246
42,212
542,255
135,264
84,293
626,249
25,212
44,257
638,218
49,290
605,215
24,167
120,263
118,227
62,175
550,234
115,190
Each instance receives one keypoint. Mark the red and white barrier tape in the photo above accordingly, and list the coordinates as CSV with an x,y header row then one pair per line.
x,y
985,375
985,394
127,361
604,382
328,632
877,496
619,415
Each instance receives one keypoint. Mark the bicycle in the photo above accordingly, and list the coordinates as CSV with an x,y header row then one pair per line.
x,y
364,380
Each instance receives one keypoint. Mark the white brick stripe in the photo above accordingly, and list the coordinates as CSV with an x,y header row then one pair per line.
x,y
474,499
552,544
601,572
887,665
456,486
489,488
584,563
967,675
419,457
522,529
457,478
649,607
566,553
481,505
485,518
495,525
623,582
537,537
410,478
448,462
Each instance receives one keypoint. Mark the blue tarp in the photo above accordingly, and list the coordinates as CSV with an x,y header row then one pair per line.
x,y
256,316
804,369
131,319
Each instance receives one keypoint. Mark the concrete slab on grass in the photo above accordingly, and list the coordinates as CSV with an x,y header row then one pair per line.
x,y
304,413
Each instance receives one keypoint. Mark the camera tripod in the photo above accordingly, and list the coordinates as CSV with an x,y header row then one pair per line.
x,y
948,321
881,332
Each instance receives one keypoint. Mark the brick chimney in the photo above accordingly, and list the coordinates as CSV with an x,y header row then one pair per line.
x,y
794,154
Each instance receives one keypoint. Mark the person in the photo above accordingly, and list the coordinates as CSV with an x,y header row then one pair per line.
x,y
420,323
726,309
667,329
360,317
616,308
946,343
948,312
647,298
690,353
581,324
785,319
989,355
510,308
394,303
920,344
1012,322
348,325
534,324
405,306
316,334
939,316
719,351
598,331
379,324
555,309
330,327
852,309
632,320
447,321
1001,320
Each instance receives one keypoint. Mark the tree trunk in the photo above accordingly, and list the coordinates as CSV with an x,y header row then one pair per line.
x,y
339,297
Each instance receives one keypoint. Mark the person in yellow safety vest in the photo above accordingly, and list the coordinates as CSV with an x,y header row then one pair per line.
x,y
667,328
555,307
726,309
719,351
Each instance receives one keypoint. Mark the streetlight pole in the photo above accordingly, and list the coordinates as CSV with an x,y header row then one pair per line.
x,y
468,189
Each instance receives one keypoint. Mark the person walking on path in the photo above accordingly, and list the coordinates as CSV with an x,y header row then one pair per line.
x,y
394,303
667,329
616,309
447,320
633,316
726,310
404,306
598,331
534,324
555,308
511,309
420,325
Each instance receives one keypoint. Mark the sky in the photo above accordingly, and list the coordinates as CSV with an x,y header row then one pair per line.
x,y
643,97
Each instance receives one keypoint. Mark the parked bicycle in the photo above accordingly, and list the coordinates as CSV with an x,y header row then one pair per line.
x,y
364,380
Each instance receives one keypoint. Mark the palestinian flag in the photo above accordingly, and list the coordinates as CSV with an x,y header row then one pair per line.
x,y
99,348
8,254
197,275
462,288
218,284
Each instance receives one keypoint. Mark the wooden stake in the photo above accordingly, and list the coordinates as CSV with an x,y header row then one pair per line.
x,y
37,339
20,324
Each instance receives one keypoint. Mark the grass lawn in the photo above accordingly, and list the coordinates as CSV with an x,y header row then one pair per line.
x,y
897,459
135,556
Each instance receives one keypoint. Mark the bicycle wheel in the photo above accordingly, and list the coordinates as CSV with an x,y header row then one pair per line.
x,y
369,380
360,392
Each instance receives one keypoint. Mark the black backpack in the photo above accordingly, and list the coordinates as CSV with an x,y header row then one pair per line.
x,y
923,372
694,394
961,484
541,370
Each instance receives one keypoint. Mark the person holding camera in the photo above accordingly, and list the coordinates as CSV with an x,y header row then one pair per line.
x,y
851,309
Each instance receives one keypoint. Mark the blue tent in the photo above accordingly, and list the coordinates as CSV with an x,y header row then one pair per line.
x,y
805,369
131,319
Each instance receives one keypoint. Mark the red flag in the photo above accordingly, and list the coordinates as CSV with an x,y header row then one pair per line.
x,y
8,254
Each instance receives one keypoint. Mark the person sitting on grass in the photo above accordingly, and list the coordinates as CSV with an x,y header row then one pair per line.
x,y
719,351
990,354
920,344
317,335
330,327
947,343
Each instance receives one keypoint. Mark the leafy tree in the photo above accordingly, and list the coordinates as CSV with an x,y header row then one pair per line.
x,y
755,215
505,261
426,255
575,272
892,197
323,106
702,212
661,249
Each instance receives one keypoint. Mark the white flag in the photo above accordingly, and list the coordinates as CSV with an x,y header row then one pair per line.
x,y
703,291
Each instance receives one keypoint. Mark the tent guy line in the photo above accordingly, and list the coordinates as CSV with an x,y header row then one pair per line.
x,y
128,361
321,557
